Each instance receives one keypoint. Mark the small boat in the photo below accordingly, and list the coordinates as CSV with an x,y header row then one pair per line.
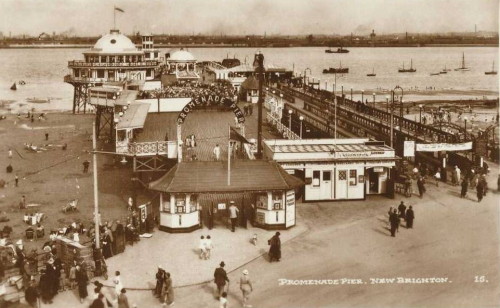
x,y
339,50
444,70
36,100
407,70
372,74
22,82
435,74
13,87
492,72
463,68
336,70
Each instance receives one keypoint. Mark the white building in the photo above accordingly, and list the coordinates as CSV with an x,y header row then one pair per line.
x,y
335,169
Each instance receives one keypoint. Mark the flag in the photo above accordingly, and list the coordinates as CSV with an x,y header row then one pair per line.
x,y
119,10
234,135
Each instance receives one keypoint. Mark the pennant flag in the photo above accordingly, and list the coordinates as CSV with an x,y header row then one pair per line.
x,y
234,135
119,10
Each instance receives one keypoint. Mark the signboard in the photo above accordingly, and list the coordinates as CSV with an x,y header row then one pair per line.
x,y
363,154
433,147
290,198
409,149
208,100
290,208
143,212
480,147
261,218
221,206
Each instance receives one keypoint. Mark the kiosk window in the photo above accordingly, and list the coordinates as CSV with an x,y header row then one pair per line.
x,y
316,175
353,177
180,203
327,175
261,201
342,175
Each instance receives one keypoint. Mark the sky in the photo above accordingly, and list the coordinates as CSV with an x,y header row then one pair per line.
x,y
246,17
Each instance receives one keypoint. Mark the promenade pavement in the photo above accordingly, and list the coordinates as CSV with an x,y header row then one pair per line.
x,y
453,238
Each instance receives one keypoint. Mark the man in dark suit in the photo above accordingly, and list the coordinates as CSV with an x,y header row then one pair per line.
x,y
410,216
220,278
394,219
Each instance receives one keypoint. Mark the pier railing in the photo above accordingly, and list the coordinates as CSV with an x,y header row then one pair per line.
x,y
282,129
168,148
81,63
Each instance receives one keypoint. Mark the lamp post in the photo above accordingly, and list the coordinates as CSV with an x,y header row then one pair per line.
x,y
420,117
465,127
362,96
387,103
290,119
351,94
374,100
392,111
305,71
258,65
301,118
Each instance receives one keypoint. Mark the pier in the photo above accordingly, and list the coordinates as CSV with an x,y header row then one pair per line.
x,y
348,118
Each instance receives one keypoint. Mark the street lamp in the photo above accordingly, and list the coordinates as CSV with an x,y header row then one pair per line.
x,y
290,119
351,94
374,100
301,118
305,71
362,96
465,127
387,103
420,117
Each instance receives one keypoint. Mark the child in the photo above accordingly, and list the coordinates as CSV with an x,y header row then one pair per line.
x,y
203,248
63,280
72,276
223,300
254,239
208,247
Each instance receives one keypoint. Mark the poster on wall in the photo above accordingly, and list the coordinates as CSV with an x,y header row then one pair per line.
x,y
409,149
290,198
261,218
433,147
142,208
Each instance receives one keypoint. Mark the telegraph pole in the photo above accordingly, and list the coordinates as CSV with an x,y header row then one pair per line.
x,y
258,64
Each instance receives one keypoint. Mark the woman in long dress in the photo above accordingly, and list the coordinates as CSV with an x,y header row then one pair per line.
x,y
82,280
168,290
275,249
245,287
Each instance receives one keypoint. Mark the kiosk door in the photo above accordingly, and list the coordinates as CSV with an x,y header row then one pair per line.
x,y
341,184
326,186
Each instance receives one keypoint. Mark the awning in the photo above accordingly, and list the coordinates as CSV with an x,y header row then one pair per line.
x,y
134,116
211,177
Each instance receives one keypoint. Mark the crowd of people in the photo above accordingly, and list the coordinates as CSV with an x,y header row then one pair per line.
x,y
191,90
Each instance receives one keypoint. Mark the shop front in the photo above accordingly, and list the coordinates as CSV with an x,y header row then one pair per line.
x,y
192,194
341,169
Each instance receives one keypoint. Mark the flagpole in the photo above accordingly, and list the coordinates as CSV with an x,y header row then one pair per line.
x,y
229,157
114,17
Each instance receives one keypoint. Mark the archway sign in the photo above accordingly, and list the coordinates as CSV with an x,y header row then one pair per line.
x,y
207,100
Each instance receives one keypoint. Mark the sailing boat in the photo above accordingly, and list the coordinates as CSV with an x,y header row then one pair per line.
x,y
407,70
463,68
13,87
492,72
444,70
372,73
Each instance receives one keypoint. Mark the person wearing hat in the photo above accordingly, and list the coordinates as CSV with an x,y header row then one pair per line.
x,y
233,215
82,280
402,210
410,216
275,249
168,291
122,299
45,287
245,287
220,279
160,277
31,294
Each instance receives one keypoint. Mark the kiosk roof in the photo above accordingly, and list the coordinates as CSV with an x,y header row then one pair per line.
x,y
211,177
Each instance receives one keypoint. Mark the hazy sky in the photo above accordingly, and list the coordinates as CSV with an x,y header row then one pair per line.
x,y
93,17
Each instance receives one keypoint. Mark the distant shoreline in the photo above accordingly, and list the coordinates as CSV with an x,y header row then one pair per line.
x,y
58,46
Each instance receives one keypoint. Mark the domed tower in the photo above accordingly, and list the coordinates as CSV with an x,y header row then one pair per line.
x,y
113,59
182,64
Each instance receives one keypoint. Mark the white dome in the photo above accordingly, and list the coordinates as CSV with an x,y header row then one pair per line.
x,y
182,56
114,42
